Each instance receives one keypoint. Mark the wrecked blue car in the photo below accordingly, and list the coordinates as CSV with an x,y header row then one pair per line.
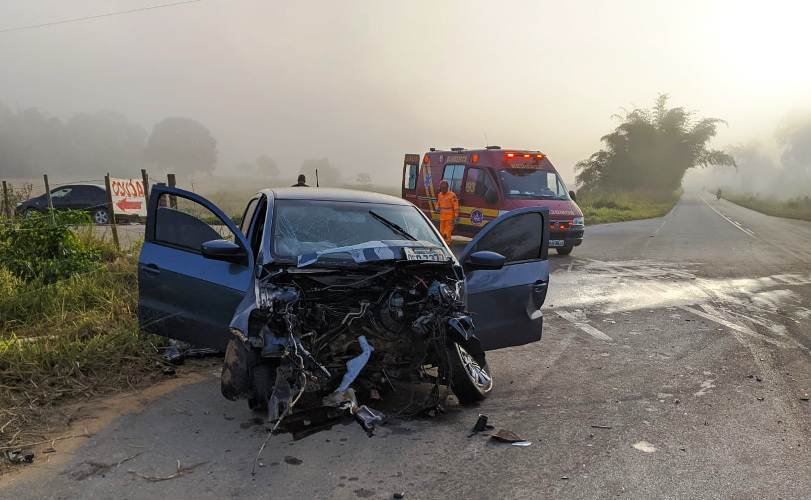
x,y
326,301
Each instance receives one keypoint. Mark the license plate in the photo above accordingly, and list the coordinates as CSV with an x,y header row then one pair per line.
x,y
429,254
556,243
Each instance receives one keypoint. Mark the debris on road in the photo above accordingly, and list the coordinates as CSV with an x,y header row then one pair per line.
x,y
597,426
292,460
506,436
644,447
398,495
180,471
20,457
481,425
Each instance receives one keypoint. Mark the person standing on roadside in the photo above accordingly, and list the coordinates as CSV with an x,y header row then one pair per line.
x,y
448,206
302,181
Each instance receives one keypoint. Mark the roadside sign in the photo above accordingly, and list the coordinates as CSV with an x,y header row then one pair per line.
x,y
128,196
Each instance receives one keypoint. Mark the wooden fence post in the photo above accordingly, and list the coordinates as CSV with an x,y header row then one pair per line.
x,y
170,179
111,210
145,180
48,192
6,201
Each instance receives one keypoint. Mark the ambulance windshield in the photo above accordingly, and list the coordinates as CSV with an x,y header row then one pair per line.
x,y
532,184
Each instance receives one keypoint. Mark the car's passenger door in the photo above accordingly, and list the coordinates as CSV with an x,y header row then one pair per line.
x,y
506,302
182,293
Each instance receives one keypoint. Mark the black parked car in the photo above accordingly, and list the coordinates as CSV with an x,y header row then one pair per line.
x,y
89,197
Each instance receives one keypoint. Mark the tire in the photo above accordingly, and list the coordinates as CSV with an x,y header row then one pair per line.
x,y
235,380
101,216
565,250
469,381
263,376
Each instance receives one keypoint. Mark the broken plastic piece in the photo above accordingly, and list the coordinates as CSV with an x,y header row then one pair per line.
x,y
506,436
481,424
356,364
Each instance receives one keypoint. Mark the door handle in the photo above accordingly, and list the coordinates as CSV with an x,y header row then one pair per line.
x,y
151,269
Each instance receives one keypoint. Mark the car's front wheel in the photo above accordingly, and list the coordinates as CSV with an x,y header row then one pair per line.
x,y
470,381
101,216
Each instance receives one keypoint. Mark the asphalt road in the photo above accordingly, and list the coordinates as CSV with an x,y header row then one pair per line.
x,y
674,364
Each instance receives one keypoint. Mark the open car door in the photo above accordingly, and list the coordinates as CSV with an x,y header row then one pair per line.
x,y
506,302
194,269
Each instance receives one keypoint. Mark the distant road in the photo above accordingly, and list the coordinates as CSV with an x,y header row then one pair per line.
x,y
674,364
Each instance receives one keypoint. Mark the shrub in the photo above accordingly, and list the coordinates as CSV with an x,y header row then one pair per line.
x,y
44,248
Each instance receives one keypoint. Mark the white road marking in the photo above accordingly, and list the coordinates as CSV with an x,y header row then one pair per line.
x,y
738,225
736,327
571,318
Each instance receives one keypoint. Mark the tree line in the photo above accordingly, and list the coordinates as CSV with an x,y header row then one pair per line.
x,y
33,142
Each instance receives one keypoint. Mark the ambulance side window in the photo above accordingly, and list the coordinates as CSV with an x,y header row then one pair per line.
x,y
453,174
478,182
411,179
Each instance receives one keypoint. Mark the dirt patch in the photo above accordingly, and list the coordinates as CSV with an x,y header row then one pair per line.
x,y
87,418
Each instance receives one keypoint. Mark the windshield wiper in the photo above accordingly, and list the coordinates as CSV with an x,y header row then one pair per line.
x,y
391,225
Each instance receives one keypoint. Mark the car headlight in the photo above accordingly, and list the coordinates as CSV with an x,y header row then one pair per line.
x,y
579,221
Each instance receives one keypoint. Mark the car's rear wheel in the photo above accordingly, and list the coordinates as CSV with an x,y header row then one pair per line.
x,y
101,216
566,249
470,381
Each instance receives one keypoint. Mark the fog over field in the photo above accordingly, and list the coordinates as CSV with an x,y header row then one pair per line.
x,y
361,83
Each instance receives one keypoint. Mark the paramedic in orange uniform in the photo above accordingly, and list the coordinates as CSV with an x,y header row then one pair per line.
x,y
448,206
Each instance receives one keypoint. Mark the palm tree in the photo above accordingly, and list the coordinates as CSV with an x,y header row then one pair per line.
x,y
650,150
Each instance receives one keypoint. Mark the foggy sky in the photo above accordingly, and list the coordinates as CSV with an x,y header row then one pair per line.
x,y
361,83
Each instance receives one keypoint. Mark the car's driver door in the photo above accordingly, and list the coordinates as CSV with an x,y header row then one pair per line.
x,y
183,293
506,302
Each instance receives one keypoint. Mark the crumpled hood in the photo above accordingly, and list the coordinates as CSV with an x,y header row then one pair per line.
x,y
371,251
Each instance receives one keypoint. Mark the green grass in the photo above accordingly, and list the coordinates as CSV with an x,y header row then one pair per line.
x,y
600,208
71,339
795,208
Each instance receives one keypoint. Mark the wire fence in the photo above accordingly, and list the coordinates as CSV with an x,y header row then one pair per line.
x,y
119,217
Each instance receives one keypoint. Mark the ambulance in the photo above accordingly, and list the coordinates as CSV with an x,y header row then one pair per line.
x,y
490,182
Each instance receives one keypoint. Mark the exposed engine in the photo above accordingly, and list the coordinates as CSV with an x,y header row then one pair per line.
x,y
320,342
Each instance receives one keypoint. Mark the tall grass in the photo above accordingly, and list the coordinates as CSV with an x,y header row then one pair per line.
x,y
603,207
795,208
67,339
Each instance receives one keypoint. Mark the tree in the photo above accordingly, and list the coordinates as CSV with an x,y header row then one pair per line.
x,y
182,144
327,174
651,150
105,142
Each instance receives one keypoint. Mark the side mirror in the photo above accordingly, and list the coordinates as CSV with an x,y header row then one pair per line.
x,y
223,250
485,259
491,197
573,196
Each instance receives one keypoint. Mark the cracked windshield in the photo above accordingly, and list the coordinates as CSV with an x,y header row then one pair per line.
x,y
405,250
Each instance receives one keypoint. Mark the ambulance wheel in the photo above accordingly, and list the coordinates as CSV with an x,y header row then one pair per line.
x,y
565,250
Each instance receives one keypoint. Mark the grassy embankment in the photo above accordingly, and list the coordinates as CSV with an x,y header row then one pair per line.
x,y
600,208
68,325
796,208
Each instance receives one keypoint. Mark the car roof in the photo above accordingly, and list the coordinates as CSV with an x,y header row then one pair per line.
x,y
100,186
333,194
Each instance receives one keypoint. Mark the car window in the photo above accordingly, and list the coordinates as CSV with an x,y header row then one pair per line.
x,y
61,192
453,174
185,224
248,215
304,226
478,182
518,238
